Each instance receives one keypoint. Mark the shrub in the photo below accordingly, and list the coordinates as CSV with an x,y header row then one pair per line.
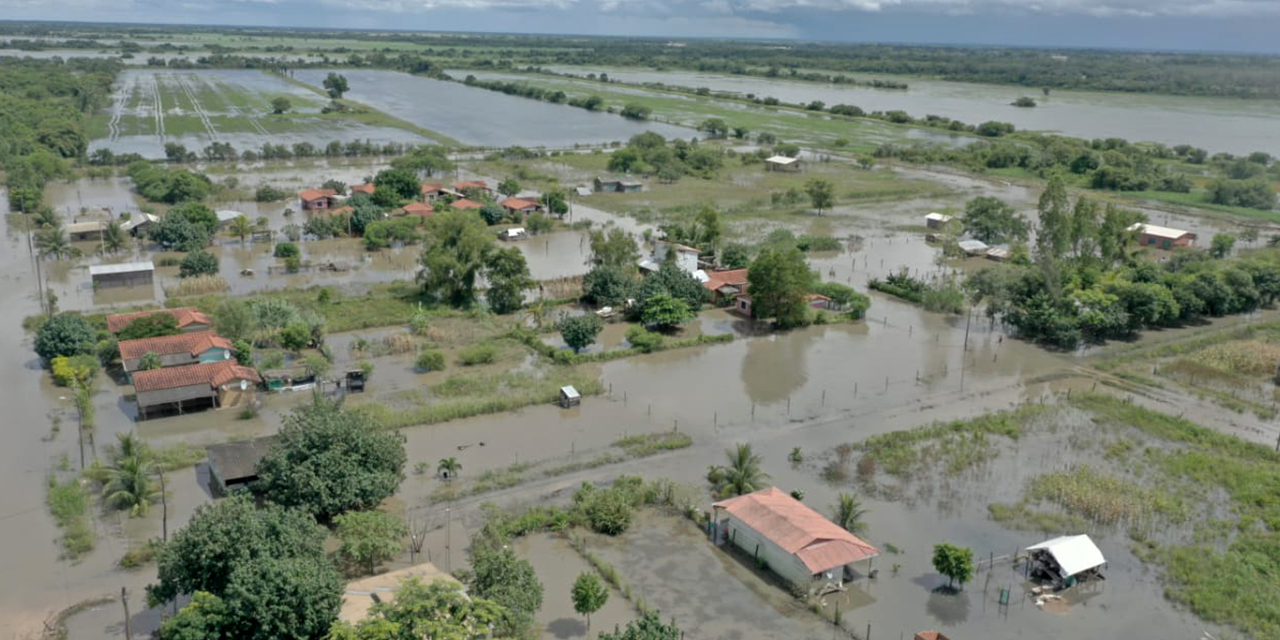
x,y
295,337
198,263
73,369
292,264
644,340
483,353
430,361
268,193
287,250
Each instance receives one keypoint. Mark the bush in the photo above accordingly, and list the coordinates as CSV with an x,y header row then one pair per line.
x,y
73,370
430,361
644,340
295,337
268,193
483,353
64,335
287,250
198,263
608,511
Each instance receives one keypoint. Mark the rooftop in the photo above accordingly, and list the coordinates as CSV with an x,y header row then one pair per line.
x,y
462,204
85,227
316,194
227,215
360,594
518,203
194,343
126,267
781,160
732,277
239,460
184,315
214,374
1158,231
431,187
463,185
819,543
419,209
1072,553
363,188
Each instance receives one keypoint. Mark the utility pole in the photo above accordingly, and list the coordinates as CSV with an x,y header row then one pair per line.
x,y
124,600
164,506
448,540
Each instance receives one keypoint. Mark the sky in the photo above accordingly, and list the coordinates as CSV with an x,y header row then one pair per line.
x,y
1201,25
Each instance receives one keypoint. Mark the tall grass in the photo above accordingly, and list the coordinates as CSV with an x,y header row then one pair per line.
x,y
959,444
465,396
198,286
69,504
648,444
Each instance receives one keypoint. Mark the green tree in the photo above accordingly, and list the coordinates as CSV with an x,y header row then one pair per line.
x,y
282,598
336,85
1221,245
589,594
614,248
369,537
509,187
509,277
64,335
735,256
127,483
635,111
673,280
114,237
1054,234
714,128
779,280
665,312
993,221
436,611
742,475
235,320
280,105
456,249
647,627
493,213
240,227
498,574
203,618
847,512
449,468
198,263
822,194
223,535
1085,226
425,159
150,361
956,563
609,286
580,331
150,326
329,460
53,243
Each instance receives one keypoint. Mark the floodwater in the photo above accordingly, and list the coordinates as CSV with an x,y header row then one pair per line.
x,y
557,566
1217,124
482,117
139,109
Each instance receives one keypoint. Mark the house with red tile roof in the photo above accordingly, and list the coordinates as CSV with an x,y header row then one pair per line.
x,y
317,199
420,209
724,285
462,186
432,191
931,635
520,205
464,204
366,188
799,544
176,350
195,386
189,319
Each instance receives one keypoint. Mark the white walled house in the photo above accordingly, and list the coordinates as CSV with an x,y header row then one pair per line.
x,y
686,259
797,543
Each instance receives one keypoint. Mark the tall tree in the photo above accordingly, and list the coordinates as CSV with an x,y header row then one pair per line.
x,y
848,512
1085,226
509,277
456,249
369,537
498,574
741,475
779,280
114,237
336,85
240,227
956,563
822,194
509,187
282,598
580,331
589,594
993,221
614,248
1053,235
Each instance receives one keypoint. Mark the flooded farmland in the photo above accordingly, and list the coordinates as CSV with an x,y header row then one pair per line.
x,y
480,117
1217,124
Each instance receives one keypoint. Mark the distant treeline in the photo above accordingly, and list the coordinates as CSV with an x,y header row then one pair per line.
x,y
1204,74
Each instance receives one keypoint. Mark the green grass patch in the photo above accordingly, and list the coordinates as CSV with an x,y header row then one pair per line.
x,y
1196,200
1108,499
1021,517
640,446
956,445
69,503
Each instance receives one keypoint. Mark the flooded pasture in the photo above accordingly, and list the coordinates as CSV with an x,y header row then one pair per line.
x,y
480,117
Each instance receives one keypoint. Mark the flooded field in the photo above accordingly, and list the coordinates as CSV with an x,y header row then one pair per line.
x,y
479,117
1234,126
151,107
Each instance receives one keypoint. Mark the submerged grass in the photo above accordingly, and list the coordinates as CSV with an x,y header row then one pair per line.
x,y
69,504
1108,499
958,445
641,446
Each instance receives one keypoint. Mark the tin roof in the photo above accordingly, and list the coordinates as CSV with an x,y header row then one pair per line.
x,y
1072,553
1158,231
239,460
125,267
799,530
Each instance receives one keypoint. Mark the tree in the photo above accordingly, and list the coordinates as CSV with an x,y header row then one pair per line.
x,y
956,563
509,187
635,111
555,201
201,619
336,85
508,276
665,312
714,128
150,326
53,243
64,335
127,482
329,460
609,286
240,227
779,280
223,535
580,331
993,221
369,537
675,281
848,512
742,475
614,248
1221,245
114,237
282,598
735,256
198,263
437,611
498,574
456,249
822,194
647,627
280,105
425,159
1053,235
493,213
391,187
150,361
449,468
589,594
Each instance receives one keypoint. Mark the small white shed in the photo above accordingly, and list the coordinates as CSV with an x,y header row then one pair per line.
x,y
569,397
1066,557
782,163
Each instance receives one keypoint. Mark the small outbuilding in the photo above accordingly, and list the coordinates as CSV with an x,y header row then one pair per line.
x,y
194,386
366,188
431,191
522,206
1066,560
86,231
463,186
937,220
513,234
569,397
225,216
129,274
973,247
782,163
235,464
466,204
420,209
582,191
617,185
138,223
1156,236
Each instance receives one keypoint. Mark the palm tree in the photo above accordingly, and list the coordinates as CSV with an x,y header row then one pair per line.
x,y
129,484
741,475
240,226
113,237
449,467
537,312
46,218
53,242
848,512
129,445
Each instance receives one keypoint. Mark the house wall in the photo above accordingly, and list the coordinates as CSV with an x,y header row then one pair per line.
x,y
1159,242
216,354
687,261
230,395
128,279
786,565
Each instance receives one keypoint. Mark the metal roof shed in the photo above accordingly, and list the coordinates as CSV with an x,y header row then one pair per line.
x,y
122,275
1073,554
569,397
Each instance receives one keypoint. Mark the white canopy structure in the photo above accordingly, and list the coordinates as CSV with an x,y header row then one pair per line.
x,y
1073,554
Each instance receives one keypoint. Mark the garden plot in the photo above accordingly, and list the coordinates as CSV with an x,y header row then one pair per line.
x,y
152,107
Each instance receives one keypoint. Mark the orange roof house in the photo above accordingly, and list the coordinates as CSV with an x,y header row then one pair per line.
x,y
520,205
317,198
432,190
419,209
189,319
724,285
463,185
176,350
796,542
463,204
213,384
366,188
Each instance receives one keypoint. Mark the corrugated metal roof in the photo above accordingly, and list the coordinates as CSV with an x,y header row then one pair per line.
x,y
1159,231
799,530
1072,553
781,160
126,267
